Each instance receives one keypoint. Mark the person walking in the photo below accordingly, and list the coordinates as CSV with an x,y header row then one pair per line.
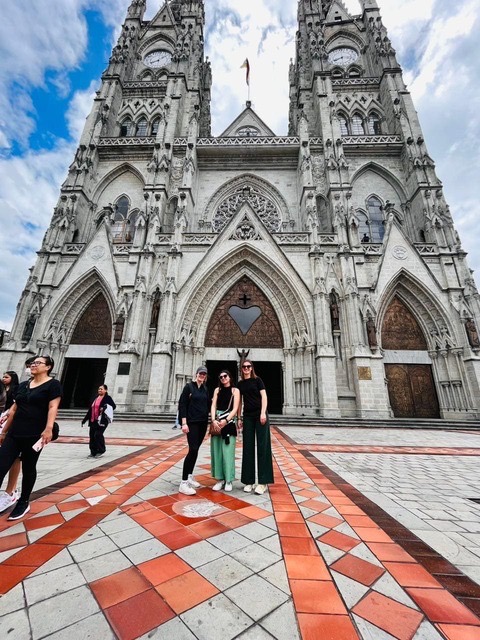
x,y
30,424
10,496
255,426
99,416
226,400
193,408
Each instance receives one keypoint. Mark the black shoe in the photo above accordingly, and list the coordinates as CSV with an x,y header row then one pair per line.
x,y
21,508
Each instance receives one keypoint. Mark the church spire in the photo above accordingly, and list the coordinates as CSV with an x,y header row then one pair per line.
x,y
137,9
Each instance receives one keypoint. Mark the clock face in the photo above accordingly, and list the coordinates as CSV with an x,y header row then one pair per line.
x,y
343,56
157,59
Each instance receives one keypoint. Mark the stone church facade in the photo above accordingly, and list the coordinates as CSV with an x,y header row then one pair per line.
x,y
328,255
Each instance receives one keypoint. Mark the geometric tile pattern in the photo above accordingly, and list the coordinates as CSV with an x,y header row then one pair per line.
x,y
118,553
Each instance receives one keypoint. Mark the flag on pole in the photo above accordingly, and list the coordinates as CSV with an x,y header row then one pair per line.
x,y
246,65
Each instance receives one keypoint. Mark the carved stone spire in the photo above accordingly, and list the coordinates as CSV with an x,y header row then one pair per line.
x,y
137,9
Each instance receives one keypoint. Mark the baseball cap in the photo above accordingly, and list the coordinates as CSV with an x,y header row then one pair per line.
x,y
202,370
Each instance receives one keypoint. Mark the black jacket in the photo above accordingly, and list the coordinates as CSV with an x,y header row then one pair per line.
x,y
105,400
194,403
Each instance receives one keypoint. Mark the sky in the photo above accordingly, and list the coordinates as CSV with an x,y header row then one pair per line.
x,y
52,54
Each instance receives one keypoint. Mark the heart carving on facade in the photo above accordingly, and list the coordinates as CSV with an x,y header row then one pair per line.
x,y
245,318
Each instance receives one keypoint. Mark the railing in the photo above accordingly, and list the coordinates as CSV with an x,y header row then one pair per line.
x,y
128,141
368,140
350,82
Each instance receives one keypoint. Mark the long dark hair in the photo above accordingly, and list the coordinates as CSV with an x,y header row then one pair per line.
x,y
232,381
252,371
14,376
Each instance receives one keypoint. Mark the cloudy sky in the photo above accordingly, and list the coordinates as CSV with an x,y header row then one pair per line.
x,y
52,53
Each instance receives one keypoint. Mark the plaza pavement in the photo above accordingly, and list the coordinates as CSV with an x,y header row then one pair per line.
x,y
366,533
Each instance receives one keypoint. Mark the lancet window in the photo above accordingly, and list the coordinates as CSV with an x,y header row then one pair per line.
x,y
123,227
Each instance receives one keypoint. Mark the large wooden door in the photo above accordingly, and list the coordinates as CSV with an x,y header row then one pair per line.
x,y
412,391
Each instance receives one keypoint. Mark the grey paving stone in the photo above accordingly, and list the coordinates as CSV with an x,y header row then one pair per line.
x,y
254,531
328,553
276,574
120,523
174,629
255,557
224,572
61,611
282,623
147,550
36,534
92,549
199,553
351,590
390,588
369,631
13,600
269,522
127,537
229,541
95,627
256,597
426,631
216,619
15,625
272,544
54,582
255,633
105,565
62,559
92,534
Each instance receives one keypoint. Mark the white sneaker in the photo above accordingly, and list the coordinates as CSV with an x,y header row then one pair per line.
x,y
260,489
218,486
228,486
193,483
186,488
7,500
248,488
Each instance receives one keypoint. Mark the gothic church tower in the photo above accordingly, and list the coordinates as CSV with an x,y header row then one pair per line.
x,y
329,255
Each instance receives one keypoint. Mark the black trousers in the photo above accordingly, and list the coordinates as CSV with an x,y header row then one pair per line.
x,y
9,452
97,440
195,437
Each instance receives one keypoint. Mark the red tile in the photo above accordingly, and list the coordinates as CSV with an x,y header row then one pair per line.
x,y
347,509
164,568
186,591
209,528
34,555
286,507
389,552
44,521
232,520
119,587
391,616
64,535
13,542
368,534
360,521
289,516
441,606
234,504
326,627
306,568
325,521
411,575
315,596
459,631
307,493
316,505
339,540
358,569
293,530
254,513
299,546
161,527
145,517
179,539
72,505
138,615
11,576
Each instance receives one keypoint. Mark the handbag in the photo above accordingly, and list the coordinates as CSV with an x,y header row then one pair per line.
x,y
55,431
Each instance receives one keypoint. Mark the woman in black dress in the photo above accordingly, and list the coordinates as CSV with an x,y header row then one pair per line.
x,y
255,426
97,418
30,421
10,496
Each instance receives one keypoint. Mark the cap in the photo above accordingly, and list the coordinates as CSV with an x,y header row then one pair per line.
x,y
202,370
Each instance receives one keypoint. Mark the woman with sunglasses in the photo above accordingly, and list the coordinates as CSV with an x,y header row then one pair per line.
x,y
255,426
10,496
226,398
30,420
193,408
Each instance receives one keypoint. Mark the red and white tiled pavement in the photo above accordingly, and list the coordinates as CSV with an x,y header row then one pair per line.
x,y
118,553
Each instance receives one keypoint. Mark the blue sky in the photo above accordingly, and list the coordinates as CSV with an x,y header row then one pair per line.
x,y
52,54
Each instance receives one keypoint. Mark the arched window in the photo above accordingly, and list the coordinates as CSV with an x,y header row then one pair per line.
x,y
363,227
343,125
155,126
246,132
374,128
127,128
142,126
375,215
147,77
123,227
357,125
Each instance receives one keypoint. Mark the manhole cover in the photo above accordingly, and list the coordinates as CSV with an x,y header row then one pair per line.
x,y
198,508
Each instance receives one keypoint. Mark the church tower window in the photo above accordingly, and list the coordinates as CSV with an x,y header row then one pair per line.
x,y
374,128
127,128
375,214
343,125
357,125
155,126
123,228
142,126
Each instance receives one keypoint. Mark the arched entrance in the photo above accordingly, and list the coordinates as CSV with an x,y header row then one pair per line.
x,y
411,384
245,324
84,370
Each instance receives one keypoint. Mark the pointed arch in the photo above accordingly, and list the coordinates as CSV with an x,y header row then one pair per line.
x,y
287,294
384,173
77,299
112,175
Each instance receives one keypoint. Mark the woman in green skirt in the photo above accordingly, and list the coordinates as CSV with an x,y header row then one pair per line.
x,y
226,398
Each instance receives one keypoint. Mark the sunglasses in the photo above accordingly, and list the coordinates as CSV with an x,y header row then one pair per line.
x,y
246,366
223,377
37,363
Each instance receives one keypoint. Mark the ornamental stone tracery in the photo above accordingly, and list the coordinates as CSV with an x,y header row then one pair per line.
x,y
265,209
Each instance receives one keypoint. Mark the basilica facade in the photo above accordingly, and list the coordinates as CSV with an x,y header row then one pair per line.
x,y
328,255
